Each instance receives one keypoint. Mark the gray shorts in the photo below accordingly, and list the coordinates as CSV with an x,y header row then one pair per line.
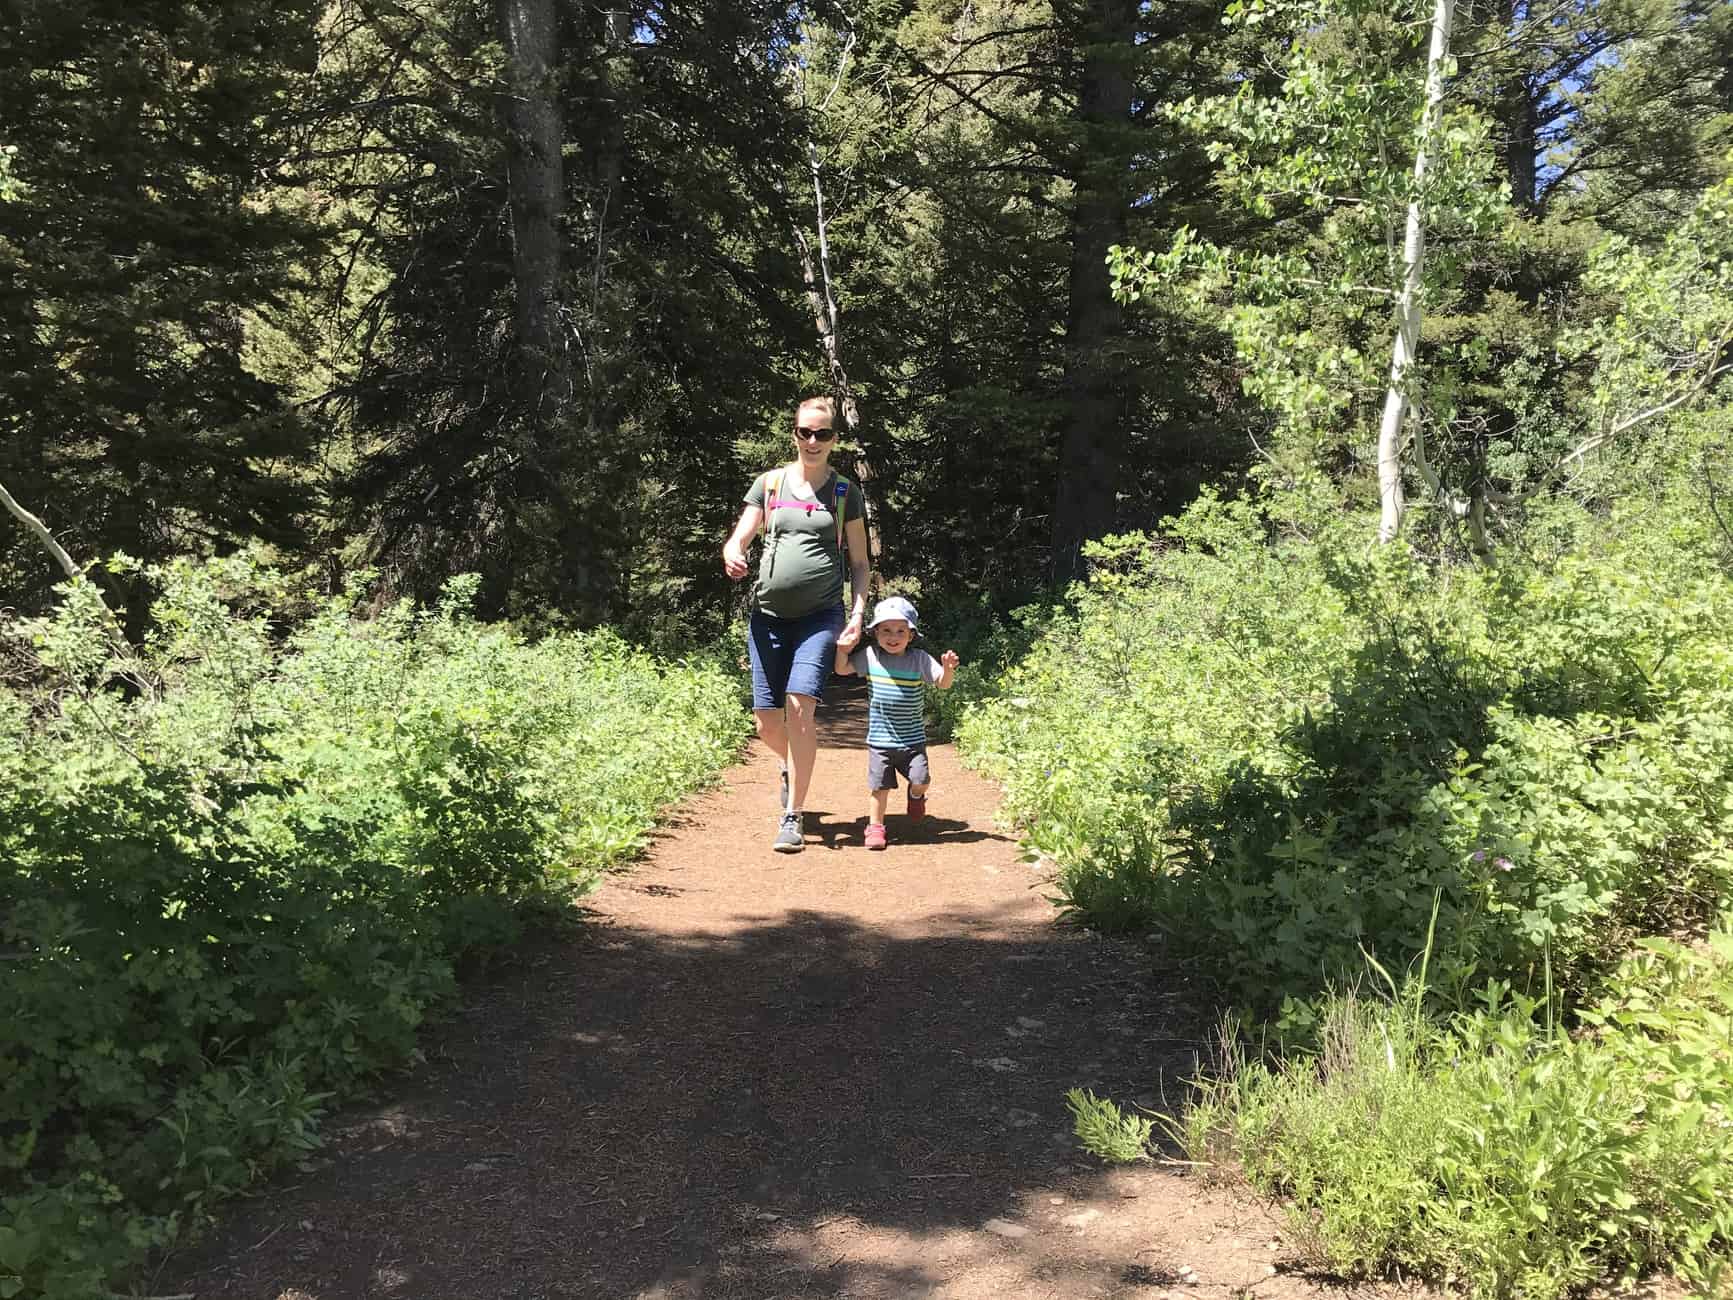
x,y
884,764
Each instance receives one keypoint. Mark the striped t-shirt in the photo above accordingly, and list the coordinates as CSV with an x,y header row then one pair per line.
x,y
894,684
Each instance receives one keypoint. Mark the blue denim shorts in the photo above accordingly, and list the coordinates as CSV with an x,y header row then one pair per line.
x,y
791,655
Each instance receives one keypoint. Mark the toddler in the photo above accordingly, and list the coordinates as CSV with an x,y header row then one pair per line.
x,y
896,674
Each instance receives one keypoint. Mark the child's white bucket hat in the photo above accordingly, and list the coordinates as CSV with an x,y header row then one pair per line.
x,y
892,607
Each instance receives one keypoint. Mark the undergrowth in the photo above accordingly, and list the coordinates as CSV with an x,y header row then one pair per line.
x,y
1279,752
1301,757
238,868
1492,1151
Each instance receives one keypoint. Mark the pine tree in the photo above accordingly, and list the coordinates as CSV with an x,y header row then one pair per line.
x,y
139,237
569,430
959,142
1617,111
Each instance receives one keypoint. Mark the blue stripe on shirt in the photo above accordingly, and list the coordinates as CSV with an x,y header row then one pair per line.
x,y
895,718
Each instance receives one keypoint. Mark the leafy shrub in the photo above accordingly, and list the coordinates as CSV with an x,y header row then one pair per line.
x,y
988,645
235,892
1494,1152
1280,752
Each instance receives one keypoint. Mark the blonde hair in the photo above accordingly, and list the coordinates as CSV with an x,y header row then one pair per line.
x,y
818,404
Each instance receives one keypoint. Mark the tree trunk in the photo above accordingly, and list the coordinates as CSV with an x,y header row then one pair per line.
x,y
116,633
613,72
1390,499
1518,120
1518,112
529,30
1089,452
40,529
534,124
827,320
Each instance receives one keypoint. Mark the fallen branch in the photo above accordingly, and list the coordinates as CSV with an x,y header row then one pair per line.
x,y
1589,446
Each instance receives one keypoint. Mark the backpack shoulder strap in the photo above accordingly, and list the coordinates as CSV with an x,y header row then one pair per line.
x,y
840,510
772,490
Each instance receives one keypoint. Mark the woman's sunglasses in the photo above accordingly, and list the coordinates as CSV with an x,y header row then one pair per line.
x,y
814,435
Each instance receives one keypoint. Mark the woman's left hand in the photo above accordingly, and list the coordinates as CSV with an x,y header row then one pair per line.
x,y
854,626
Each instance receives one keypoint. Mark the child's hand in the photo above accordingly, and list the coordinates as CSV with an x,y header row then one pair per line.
x,y
849,637
949,659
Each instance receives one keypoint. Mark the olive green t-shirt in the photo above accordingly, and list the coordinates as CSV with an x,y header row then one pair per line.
x,y
801,568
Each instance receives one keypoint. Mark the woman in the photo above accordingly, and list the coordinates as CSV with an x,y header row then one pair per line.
x,y
810,515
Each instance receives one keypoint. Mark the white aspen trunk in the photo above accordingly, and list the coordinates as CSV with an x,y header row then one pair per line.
x,y
116,636
1390,500
36,526
821,293
819,300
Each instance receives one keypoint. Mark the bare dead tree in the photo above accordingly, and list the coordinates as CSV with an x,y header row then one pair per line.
x,y
820,284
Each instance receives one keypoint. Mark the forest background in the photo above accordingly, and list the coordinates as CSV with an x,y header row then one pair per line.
x,y
528,289
390,370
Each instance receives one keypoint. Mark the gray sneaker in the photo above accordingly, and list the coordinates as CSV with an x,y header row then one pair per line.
x,y
791,836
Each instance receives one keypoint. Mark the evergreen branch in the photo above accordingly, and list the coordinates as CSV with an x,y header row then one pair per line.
x,y
1030,72
405,46
1004,33
968,96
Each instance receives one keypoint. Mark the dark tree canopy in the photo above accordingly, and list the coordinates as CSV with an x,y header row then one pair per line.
x,y
530,287
137,246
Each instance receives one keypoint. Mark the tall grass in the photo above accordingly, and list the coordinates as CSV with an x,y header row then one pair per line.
x,y
1492,1151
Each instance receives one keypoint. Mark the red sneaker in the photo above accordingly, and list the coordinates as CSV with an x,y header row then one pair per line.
x,y
875,836
917,807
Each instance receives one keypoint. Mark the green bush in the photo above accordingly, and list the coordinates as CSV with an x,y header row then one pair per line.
x,y
988,645
233,889
1280,750
1494,1153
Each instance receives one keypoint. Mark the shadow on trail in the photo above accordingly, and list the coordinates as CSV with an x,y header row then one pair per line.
x,y
837,831
842,721
625,1113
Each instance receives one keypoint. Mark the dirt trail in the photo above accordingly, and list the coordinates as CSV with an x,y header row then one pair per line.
x,y
753,1075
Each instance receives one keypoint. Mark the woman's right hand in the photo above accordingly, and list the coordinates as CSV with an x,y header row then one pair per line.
x,y
733,562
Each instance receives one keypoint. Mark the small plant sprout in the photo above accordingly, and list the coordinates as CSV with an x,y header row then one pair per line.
x,y
1105,1130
